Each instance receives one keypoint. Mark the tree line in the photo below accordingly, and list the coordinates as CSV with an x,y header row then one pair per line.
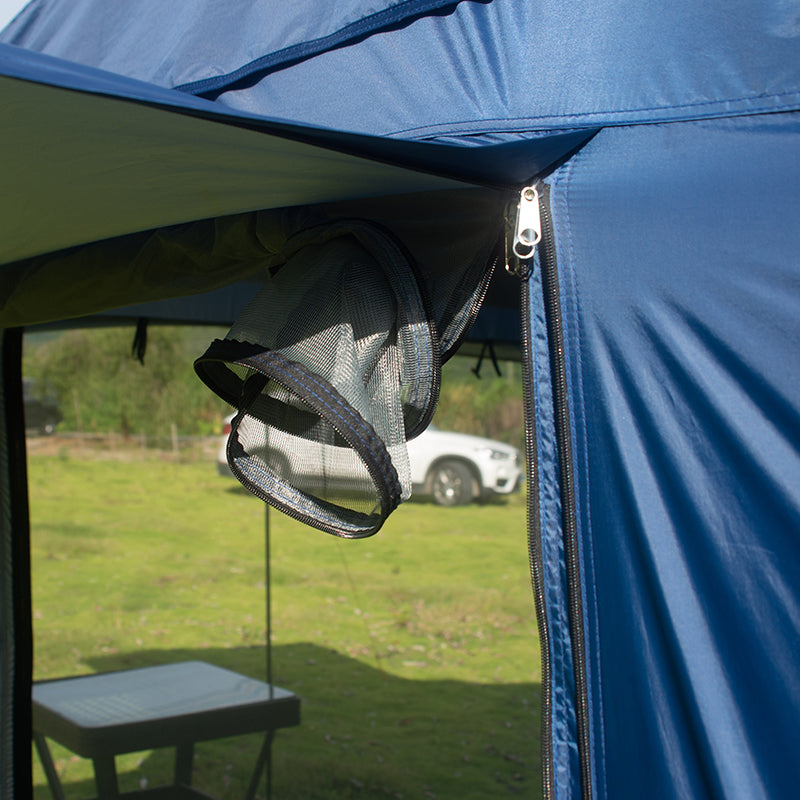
x,y
102,386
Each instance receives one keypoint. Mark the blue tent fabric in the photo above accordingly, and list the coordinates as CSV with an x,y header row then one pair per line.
x,y
249,38
501,68
121,165
660,319
685,433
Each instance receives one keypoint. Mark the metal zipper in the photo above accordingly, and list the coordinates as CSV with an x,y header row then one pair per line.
x,y
558,368
523,218
534,541
528,228
532,229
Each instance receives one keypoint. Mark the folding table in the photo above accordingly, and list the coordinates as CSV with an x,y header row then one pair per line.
x,y
173,705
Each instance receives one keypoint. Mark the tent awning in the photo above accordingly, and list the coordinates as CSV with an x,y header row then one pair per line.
x,y
92,155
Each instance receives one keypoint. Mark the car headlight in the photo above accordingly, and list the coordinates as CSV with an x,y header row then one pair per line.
x,y
495,455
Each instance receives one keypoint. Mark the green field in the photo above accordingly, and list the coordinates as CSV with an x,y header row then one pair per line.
x,y
415,652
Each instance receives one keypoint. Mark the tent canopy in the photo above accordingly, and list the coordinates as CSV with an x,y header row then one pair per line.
x,y
659,318
492,69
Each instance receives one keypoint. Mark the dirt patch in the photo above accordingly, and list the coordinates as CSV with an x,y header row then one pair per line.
x,y
113,447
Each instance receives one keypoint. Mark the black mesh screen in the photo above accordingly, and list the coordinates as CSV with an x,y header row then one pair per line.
x,y
332,367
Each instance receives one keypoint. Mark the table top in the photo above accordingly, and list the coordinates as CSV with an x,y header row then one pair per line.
x,y
157,706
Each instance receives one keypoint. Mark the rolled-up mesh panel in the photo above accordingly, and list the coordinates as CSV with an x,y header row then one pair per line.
x,y
333,366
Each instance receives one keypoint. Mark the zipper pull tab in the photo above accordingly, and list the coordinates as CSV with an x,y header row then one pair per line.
x,y
527,231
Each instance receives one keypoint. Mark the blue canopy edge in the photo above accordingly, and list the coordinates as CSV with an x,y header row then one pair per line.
x,y
505,165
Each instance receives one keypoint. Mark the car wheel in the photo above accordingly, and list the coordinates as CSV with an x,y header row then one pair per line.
x,y
451,484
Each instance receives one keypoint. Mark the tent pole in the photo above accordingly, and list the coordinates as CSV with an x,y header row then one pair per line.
x,y
267,591
16,633
267,748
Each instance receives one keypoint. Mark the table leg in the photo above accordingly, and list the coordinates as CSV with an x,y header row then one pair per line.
x,y
49,767
264,759
105,777
184,757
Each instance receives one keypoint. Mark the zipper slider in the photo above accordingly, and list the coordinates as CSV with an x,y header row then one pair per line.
x,y
527,231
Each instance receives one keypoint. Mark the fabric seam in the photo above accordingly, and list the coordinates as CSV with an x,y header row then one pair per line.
x,y
273,61
583,119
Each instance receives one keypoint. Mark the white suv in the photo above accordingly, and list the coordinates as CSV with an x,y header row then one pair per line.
x,y
452,468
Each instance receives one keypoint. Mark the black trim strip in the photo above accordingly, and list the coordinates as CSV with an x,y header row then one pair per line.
x,y
316,512
17,666
327,403
320,395
555,332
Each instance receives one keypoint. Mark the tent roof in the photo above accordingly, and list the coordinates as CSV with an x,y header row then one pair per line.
x,y
489,69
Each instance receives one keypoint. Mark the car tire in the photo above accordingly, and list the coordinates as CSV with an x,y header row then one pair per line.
x,y
451,484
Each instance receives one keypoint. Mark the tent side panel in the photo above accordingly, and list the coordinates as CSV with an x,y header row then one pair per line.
x,y
679,256
16,638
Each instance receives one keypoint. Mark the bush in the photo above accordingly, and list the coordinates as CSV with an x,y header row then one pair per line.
x,y
490,406
103,388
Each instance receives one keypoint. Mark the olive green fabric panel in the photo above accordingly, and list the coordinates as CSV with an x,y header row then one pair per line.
x,y
87,167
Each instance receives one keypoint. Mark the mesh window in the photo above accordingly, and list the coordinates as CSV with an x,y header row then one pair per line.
x,y
333,366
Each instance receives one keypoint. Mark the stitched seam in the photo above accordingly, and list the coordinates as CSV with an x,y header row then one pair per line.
x,y
303,50
518,123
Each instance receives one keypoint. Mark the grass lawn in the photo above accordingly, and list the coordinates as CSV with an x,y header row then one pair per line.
x,y
415,652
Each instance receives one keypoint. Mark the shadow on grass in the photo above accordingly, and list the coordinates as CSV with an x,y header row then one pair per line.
x,y
364,733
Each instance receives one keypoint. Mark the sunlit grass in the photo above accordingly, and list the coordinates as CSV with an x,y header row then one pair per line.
x,y
415,651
